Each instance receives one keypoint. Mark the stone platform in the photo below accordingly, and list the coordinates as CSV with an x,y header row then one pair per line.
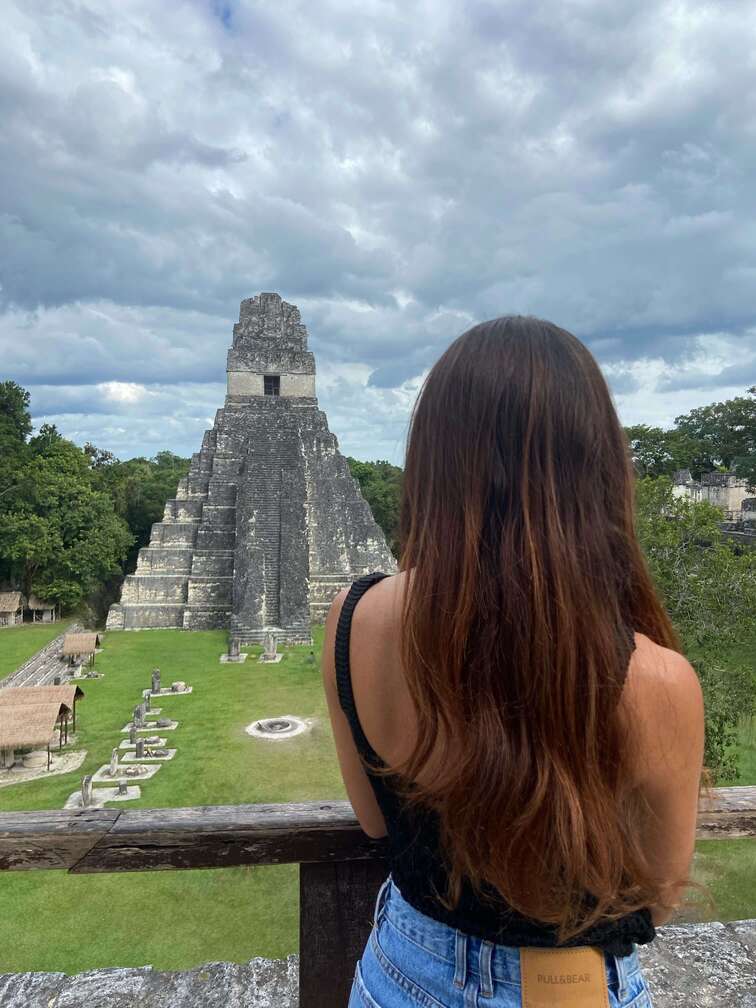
x,y
690,966
65,762
102,776
133,758
100,796
151,728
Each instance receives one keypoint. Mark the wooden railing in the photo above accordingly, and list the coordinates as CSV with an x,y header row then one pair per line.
x,y
340,868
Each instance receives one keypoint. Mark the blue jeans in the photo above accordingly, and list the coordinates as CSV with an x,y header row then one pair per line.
x,y
411,959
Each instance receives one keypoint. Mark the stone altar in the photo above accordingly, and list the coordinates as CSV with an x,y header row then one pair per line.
x,y
269,524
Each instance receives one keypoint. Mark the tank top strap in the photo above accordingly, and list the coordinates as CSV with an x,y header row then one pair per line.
x,y
343,670
629,640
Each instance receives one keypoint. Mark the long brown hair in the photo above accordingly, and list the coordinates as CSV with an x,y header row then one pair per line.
x,y
526,584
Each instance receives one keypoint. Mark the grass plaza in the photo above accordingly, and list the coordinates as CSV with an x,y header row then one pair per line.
x,y
177,919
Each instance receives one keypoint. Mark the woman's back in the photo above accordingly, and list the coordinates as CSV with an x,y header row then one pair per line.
x,y
510,709
384,703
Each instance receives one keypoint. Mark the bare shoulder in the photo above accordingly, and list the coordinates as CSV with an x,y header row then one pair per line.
x,y
655,669
373,617
376,604
381,605
663,703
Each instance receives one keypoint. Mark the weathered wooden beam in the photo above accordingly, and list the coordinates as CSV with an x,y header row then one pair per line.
x,y
51,839
336,903
105,840
729,812
224,836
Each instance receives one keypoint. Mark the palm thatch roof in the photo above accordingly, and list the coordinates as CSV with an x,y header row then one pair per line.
x,y
66,694
80,643
10,601
37,603
24,725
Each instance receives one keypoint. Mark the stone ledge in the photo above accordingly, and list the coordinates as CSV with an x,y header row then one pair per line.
x,y
260,983
688,966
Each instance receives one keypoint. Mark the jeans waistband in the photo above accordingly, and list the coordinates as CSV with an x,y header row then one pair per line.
x,y
497,962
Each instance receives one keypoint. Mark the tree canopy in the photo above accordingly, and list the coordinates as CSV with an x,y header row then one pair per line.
x,y
708,585
139,488
381,486
719,436
59,534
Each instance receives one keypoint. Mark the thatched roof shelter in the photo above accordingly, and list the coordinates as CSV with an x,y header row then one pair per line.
x,y
11,602
80,643
66,694
35,602
28,725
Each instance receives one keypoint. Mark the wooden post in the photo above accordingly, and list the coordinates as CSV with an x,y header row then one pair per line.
x,y
336,904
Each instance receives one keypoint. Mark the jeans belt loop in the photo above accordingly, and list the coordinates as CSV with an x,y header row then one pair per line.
x,y
621,977
484,963
460,959
380,902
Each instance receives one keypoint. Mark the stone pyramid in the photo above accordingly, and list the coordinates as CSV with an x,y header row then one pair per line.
x,y
269,523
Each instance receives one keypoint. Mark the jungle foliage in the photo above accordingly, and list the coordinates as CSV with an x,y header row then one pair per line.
x,y
719,436
709,587
72,519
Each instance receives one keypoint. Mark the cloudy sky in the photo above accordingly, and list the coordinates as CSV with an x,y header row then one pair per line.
x,y
397,170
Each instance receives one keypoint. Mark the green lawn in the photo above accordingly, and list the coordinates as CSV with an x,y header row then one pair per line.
x,y
18,643
175,920
216,763
746,750
728,869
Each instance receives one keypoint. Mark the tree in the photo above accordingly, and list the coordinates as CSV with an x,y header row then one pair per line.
x,y
98,457
59,535
381,486
648,449
15,418
15,426
139,488
726,431
709,589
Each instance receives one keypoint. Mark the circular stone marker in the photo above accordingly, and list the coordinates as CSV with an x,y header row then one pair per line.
x,y
283,727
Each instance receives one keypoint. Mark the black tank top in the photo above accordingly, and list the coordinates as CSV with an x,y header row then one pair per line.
x,y
414,848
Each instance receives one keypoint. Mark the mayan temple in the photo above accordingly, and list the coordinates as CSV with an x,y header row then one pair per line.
x,y
269,523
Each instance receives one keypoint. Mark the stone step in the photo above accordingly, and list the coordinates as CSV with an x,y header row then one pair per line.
x,y
290,635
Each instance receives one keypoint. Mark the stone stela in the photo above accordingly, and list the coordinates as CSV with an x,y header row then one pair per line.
x,y
235,653
269,524
270,646
86,791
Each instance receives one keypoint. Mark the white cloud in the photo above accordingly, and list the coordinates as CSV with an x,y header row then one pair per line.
x,y
122,392
399,172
